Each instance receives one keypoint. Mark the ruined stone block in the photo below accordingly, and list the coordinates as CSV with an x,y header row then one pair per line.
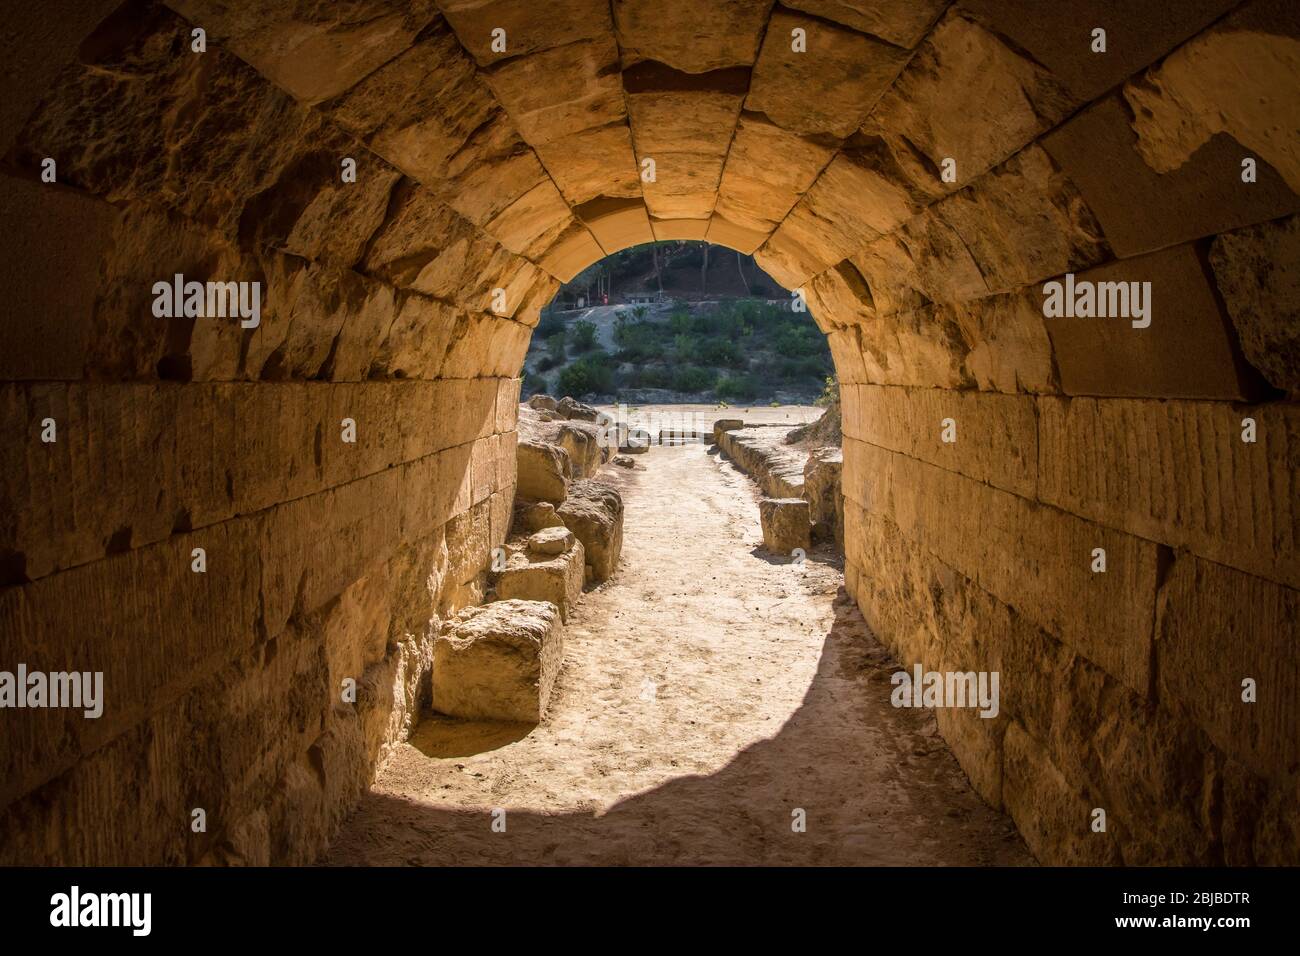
x,y
785,524
499,662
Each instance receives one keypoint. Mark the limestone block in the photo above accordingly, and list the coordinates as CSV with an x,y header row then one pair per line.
x,y
551,540
1053,36
573,251
1186,352
499,662
900,22
531,517
1142,209
544,471
967,96
583,441
688,36
566,21
827,89
997,435
1263,296
1024,221
537,575
1033,558
1237,78
555,93
529,225
617,223
419,109
768,169
785,523
313,52
593,511
821,484
1216,628
594,163
1053,817
573,409
1179,473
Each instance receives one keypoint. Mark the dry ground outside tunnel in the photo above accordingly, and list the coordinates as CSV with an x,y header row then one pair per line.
x,y
709,689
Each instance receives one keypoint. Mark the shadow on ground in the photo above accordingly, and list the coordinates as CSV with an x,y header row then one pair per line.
x,y
875,785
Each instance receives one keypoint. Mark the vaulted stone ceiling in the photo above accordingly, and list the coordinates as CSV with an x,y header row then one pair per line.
x,y
812,133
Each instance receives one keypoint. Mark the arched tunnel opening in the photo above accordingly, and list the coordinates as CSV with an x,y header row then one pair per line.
x,y
274,278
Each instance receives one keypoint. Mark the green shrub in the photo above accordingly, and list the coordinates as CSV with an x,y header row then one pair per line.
x,y
691,378
591,373
740,387
557,343
582,335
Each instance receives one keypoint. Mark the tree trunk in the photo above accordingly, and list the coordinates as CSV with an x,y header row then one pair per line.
x,y
741,269
659,276
704,272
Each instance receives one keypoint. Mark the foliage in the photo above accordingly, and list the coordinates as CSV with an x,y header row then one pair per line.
x,y
830,392
582,335
591,373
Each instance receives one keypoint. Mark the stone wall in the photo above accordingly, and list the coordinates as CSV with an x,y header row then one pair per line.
x,y
1121,690
326,560
404,302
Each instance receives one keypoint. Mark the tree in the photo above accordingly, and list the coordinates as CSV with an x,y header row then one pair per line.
x,y
741,269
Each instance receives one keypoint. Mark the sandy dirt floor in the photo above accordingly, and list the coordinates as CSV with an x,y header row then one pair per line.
x,y
709,692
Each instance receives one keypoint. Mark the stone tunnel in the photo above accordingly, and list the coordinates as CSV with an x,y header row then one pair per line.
x,y
1053,247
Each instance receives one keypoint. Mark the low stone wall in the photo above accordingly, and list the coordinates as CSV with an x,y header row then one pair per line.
x,y
761,453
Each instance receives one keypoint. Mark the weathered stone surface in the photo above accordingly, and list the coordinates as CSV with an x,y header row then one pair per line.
x,y
761,452
1238,78
565,21
1054,817
1179,473
785,523
901,22
573,251
544,471
1251,626
1142,209
314,52
1059,36
689,36
419,109
996,435
499,662
1186,352
1033,558
767,170
533,516
533,575
1262,293
555,540
556,93
594,163
827,89
617,223
1024,221
575,410
966,96
593,511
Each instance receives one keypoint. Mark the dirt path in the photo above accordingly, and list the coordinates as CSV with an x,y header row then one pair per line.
x,y
708,692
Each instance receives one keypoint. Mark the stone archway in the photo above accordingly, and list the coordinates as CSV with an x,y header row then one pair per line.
x,y
920,170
